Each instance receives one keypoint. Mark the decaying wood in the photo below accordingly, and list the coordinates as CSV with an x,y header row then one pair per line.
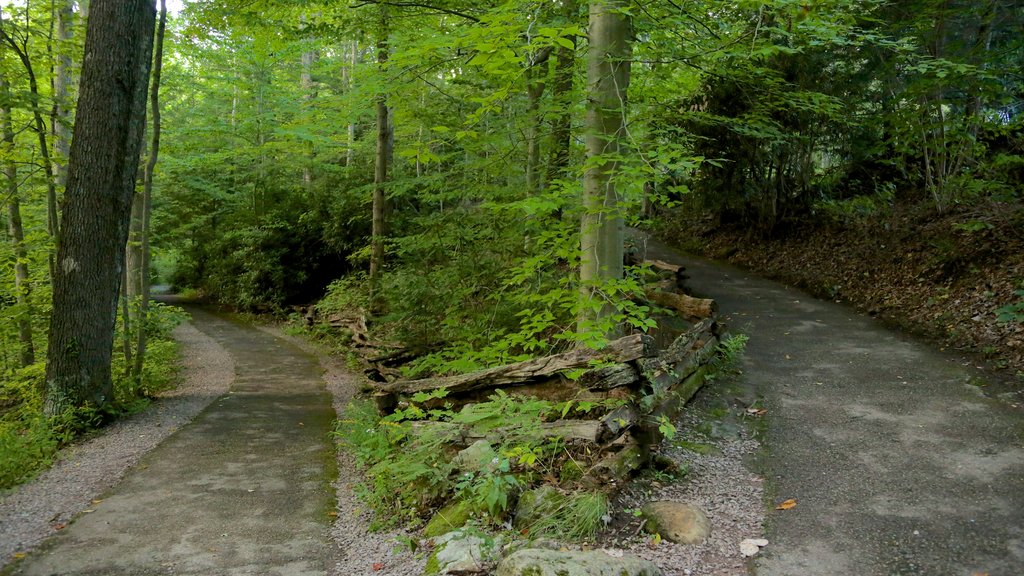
x,y
461,435
621,350
616,422
687,306
668,407
609,377
616,467
354,324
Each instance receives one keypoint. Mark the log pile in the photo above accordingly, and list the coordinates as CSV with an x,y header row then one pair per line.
x,y
655,385
650,386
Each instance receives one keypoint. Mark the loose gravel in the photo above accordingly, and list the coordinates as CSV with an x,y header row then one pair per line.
x,y
83,472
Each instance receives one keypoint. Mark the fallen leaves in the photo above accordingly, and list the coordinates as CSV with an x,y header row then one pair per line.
x,y
757,411
787,505
378,566
752,546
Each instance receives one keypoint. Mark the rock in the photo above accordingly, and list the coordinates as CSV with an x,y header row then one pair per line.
x,y
536,504
752,546
451,517
533,562
463,552
476,456
676,522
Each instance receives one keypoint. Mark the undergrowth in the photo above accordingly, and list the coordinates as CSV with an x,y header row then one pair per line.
x,y
411,469
29,441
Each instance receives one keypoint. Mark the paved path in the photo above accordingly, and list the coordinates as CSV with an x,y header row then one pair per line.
x,y
898,464
244,489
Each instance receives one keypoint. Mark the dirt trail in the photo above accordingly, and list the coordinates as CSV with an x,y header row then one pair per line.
x,y
898,463
244,489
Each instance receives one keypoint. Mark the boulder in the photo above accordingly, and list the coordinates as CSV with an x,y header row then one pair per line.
x,y
535,505
476,456
463,552
451,517
676,522
534,562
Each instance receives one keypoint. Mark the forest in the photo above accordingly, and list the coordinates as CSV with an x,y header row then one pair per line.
x,y
457,179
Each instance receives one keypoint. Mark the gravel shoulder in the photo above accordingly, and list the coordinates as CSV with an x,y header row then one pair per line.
x,y
85,471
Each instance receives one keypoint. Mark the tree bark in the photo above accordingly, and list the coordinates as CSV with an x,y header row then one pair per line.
x,y
16,231
61,116
147,195
561,95
380,174
349,84
102,169
602,227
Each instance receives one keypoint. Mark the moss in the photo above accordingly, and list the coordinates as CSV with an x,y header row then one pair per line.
x,y
433,566
451,517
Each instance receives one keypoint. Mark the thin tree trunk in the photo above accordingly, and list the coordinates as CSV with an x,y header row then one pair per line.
x,y
52,220
561,96
308,58
102,168
602,228
349,84
380,174
26,353
534,91
147,194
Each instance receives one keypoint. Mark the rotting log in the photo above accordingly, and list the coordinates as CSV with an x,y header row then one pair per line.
x,y
687,306
462,435
669,406
616,467
609,377
617,422
689,351
624,349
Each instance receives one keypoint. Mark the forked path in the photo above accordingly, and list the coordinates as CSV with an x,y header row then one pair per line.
x,y
244,489
898,465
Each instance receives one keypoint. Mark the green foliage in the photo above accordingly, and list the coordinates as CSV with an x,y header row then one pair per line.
x,y
409,469
1012,312
574,517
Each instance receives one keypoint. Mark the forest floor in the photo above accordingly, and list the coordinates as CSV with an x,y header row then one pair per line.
x,y
941,277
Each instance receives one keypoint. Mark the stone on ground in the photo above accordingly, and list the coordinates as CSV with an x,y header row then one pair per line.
x,y
463,552
676,522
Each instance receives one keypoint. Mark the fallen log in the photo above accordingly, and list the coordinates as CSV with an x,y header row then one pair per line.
x,y
616,467
621,350
687,306
463,435
609,377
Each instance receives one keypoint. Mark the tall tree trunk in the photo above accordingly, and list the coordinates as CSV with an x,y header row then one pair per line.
x,y
602,228
16,231
60,116
349,84
147,194
380,173
534,91
102,167
308,88
561,96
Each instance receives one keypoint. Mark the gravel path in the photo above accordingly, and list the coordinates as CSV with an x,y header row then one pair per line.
x,y
83,472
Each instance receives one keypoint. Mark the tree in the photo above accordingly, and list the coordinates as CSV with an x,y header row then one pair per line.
x,y
603,229
102,168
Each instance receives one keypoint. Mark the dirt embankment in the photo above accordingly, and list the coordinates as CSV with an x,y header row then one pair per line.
x,y
943,277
